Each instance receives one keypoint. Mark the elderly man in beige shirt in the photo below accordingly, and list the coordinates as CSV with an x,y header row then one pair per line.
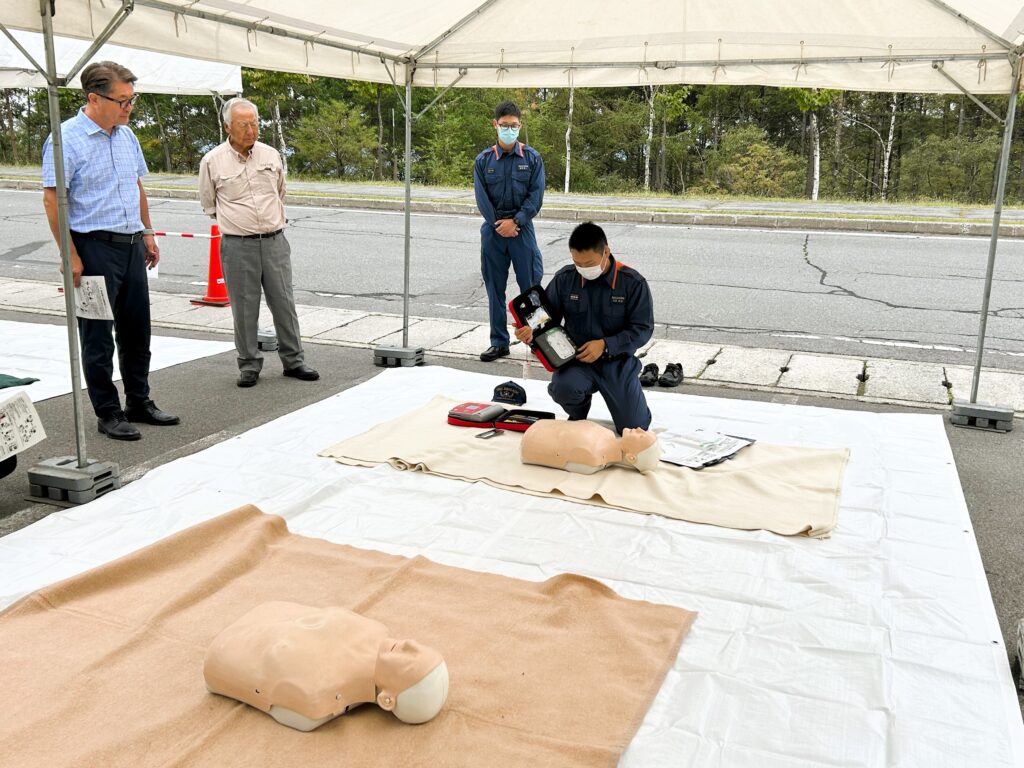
x,y
241,184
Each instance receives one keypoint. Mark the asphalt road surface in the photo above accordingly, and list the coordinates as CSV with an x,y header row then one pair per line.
x,y
867,295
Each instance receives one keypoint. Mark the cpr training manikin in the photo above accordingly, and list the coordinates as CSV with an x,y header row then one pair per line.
x,y
586,447
305,666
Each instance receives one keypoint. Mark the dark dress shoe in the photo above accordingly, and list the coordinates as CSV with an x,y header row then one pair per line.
x,y
248,378
491,354
302,372
148,413
649,375
117,427
672,377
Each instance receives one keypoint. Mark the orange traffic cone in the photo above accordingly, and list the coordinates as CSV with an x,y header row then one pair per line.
x,y
216,289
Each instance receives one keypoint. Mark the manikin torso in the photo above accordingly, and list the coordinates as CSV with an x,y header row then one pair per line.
x,y
586,447
305,666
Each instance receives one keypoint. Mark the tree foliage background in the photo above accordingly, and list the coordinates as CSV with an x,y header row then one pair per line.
x,y
701,140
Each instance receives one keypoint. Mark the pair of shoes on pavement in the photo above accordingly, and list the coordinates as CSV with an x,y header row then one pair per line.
x,y
117,425
491,354
672,377
302,372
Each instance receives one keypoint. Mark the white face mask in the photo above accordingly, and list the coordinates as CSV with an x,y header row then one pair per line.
x,y
591,273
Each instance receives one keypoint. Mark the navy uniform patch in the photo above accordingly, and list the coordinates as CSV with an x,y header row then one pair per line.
x,y
618,299
524,167
574,297
490,170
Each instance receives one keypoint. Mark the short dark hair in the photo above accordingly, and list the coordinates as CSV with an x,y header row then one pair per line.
x,y
588,237
505,109
100,76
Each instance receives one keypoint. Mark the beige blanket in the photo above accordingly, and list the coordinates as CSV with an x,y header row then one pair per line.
x,y
778,488
106,668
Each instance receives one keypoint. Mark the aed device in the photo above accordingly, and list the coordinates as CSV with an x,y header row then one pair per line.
x,y
551,344
491,416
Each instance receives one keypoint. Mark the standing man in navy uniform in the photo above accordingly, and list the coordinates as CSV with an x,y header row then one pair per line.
x,y
609,313
508,179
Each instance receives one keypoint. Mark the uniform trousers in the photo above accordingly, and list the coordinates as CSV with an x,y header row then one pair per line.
x,y
617,379
496,254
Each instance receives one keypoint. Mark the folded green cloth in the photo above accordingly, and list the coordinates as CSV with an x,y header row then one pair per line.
x,y
13,381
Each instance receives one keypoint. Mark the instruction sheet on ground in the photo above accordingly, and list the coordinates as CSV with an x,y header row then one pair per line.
x,y
700,448
20,427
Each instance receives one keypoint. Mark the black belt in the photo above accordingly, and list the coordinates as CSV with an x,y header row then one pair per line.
x,y
258,235
111,237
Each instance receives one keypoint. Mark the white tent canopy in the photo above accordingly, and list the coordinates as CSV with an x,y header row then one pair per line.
x,y
923,46
874,45
157,72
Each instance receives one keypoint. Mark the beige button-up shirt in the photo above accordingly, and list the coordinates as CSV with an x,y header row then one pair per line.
x,y
244,194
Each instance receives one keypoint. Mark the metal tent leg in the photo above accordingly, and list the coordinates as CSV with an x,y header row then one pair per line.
x,y
57,480
972,413
404,355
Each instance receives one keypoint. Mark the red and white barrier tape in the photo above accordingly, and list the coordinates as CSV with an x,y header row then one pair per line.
x,y
187,234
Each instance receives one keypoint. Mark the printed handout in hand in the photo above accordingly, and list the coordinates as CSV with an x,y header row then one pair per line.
x,y
91,301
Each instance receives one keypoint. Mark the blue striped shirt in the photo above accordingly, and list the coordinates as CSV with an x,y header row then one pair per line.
x,y
101,173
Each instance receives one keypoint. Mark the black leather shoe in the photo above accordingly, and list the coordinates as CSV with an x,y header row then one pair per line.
x,y
248,378
491,354
302,372
672,377
649,375
116,427
148,413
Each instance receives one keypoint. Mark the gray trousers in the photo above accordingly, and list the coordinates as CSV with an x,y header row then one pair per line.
x,y
252,266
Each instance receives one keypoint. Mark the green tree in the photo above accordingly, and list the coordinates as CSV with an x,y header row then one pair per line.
x,y
955,168
746,163
335,141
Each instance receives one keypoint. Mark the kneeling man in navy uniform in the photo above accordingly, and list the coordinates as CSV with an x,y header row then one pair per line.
x,y
608,312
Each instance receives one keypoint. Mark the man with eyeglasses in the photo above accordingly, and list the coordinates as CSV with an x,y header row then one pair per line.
x,y
241,185
508,179
112,237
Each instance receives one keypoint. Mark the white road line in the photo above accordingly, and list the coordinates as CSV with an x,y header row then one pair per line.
x,y
1004,241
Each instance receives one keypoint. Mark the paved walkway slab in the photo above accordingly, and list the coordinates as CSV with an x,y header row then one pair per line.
x,y
693,357
994,387
365,330
428,332
740,365
823,373
905,380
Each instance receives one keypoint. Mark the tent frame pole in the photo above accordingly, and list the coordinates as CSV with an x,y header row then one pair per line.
x,y
63,232
409,70
971,413
997,212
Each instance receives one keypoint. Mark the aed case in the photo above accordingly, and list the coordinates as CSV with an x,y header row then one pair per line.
x,y
492,416
551,344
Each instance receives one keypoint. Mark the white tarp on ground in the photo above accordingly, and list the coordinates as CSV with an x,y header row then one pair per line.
x,y
157,72
40,351
877,647
849,44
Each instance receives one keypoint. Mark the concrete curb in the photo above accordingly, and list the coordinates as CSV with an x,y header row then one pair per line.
x,y
633,216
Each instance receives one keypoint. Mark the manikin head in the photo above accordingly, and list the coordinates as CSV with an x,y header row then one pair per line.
x,y
411,680
640,449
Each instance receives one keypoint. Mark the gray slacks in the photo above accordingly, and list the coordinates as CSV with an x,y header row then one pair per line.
x,y
252,266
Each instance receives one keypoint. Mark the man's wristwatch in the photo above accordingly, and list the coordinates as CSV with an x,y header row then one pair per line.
x,y
149,232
